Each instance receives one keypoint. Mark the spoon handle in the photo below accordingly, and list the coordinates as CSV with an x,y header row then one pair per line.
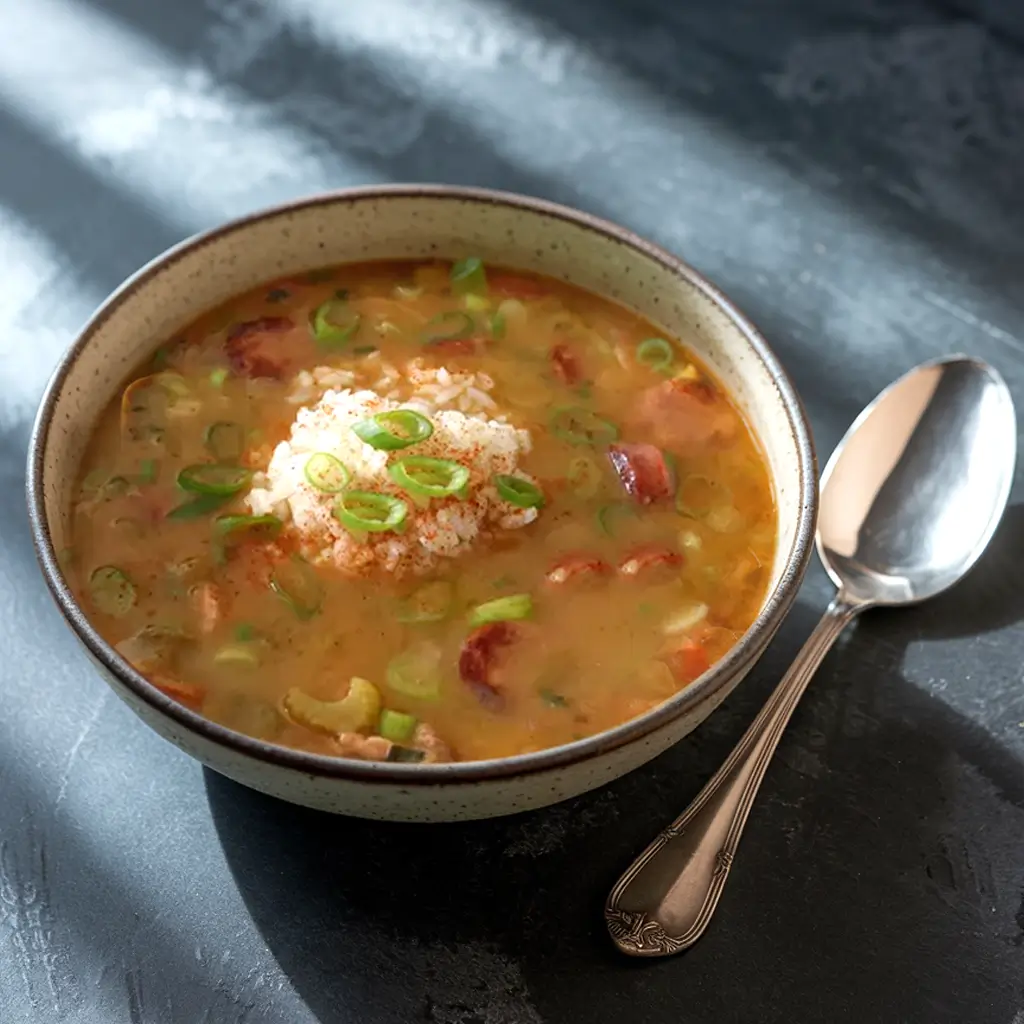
x,y
663,903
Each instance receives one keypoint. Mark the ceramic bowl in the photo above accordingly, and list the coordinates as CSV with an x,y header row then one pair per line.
x,y
405,222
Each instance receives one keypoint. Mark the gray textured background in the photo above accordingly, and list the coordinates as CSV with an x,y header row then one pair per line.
x,y
851,171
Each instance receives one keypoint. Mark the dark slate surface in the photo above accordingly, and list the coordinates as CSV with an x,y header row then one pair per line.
x,y
851,171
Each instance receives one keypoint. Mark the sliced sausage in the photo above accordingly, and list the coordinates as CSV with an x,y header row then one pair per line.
x,y
643,471
482,652
565,364
253,348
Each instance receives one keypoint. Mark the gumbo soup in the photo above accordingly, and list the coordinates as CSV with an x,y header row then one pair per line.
x,y
421,512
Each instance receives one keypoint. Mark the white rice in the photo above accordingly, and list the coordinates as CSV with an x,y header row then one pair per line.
x,y
459,407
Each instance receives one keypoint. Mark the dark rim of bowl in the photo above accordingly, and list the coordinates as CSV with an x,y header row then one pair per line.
x,y
741,657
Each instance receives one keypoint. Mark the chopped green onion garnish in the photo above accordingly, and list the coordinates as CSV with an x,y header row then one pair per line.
x,y
217,377
430,603
579,426
518,491
197,507
214,478
448,326
326,473
415,672
476,303
391,431
396,725
502,609
468,275
370,512
584,477
334,323
111,590
610,515
498,326
234,529
411,755
429,478
298,585
656,354
245,631
225,440
147,471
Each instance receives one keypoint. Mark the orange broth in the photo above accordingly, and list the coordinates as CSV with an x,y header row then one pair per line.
x,y
644,522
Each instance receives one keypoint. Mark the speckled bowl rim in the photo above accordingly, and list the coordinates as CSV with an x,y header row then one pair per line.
x,y
738,660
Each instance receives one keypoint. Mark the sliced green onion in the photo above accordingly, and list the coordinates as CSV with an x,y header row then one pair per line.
x,y
370,512
609,516
656,354
218,377
410,755
235,529
214,478
430,603
237,655
518,491
147,471
225,440
334,323
415,672
476,303
198,507
111,590
396,725
468,275
326,473
245,632
502,609
298,585
498,326
392,431
579,426
429,478
584,477
449,326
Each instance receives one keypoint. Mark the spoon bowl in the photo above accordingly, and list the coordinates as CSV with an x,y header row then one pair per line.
x,y
910,499
915,490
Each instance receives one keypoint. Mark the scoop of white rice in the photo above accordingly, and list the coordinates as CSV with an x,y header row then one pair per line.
x,y
445,528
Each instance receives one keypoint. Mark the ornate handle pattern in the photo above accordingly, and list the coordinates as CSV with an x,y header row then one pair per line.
x,y
663,903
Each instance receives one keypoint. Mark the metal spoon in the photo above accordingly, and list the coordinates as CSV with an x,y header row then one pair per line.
x,y
909,500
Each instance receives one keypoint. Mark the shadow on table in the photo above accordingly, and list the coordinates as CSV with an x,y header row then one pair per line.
x,y
858,892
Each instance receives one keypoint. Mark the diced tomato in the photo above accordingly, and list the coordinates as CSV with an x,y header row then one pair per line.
x,y
686,416
646,559
254,348
574,567
512,286
481,653
643,470
566,366
688,661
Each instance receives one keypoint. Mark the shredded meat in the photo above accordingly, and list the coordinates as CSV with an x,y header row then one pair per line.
x,y
648,558
643,470
427,740
573,566
366,748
